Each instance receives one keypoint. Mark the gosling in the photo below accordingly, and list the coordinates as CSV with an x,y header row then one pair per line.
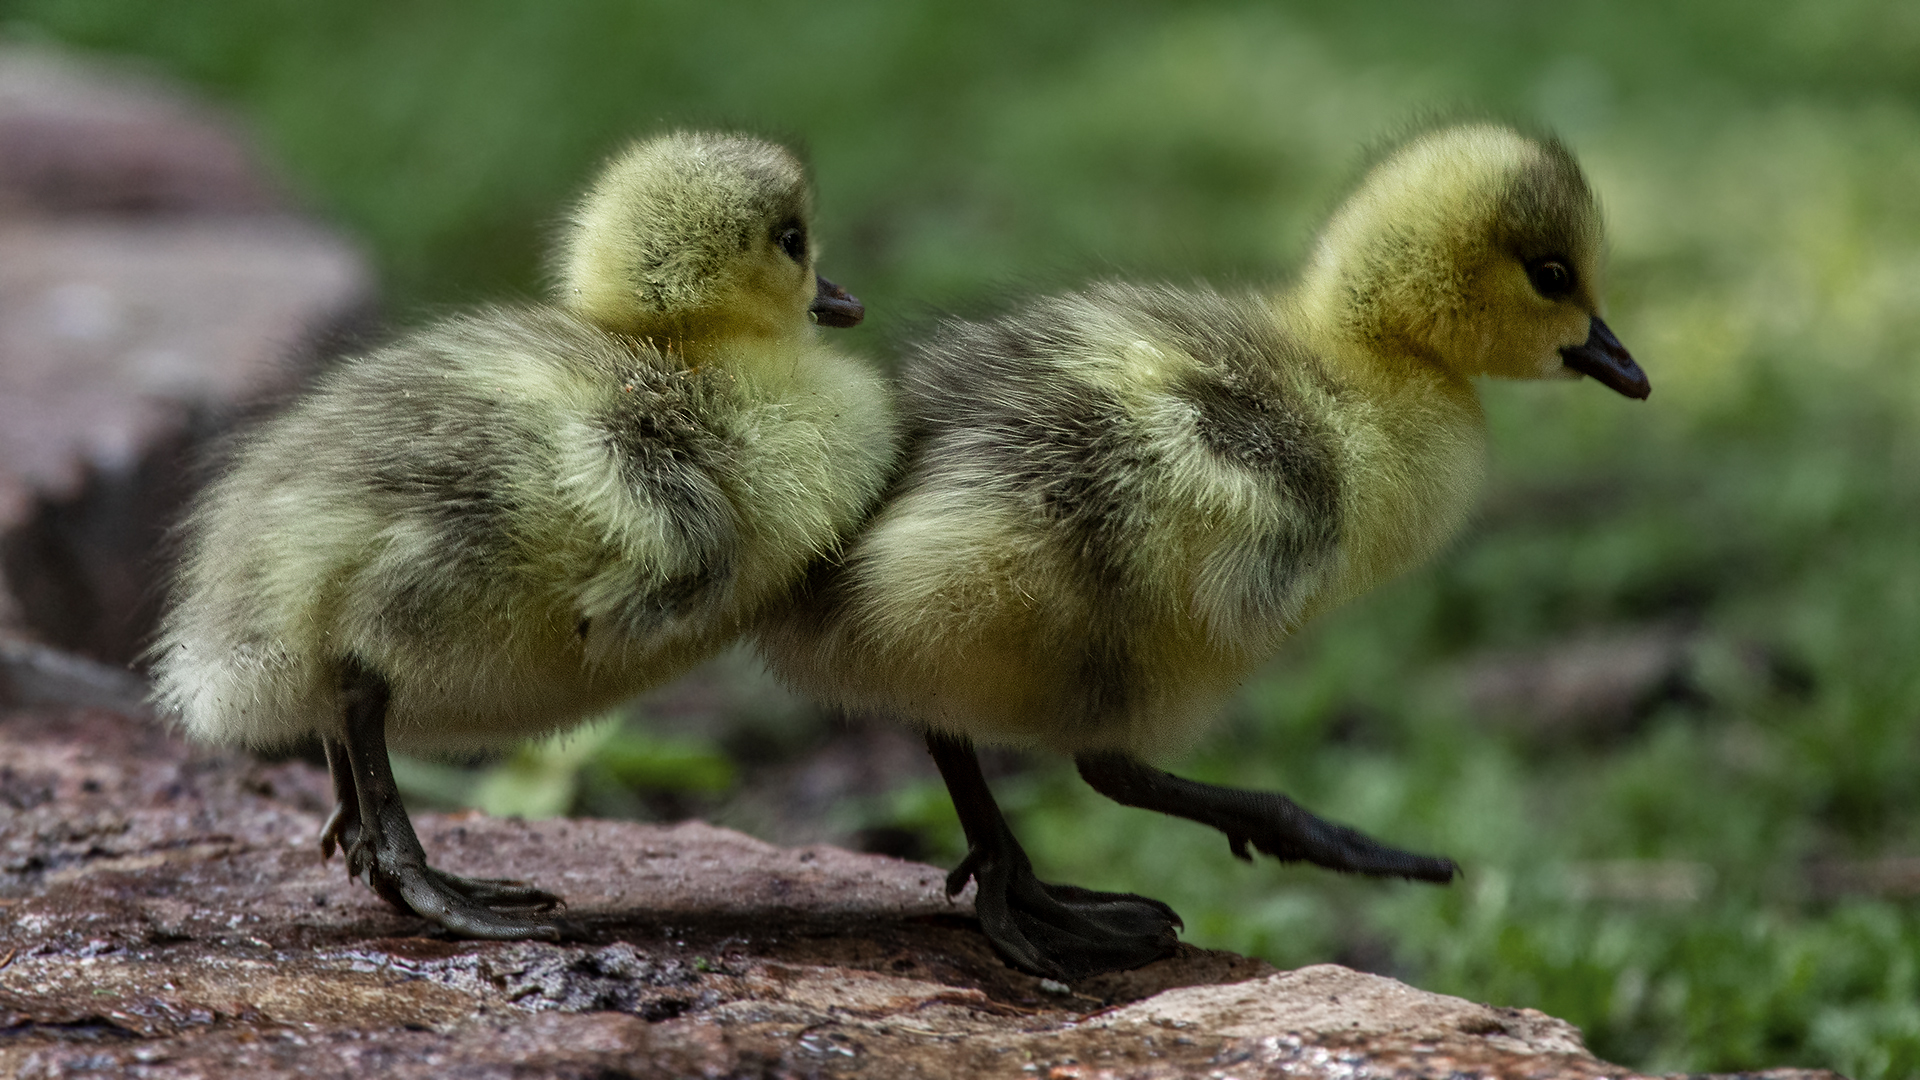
x,y
521,515
1120,501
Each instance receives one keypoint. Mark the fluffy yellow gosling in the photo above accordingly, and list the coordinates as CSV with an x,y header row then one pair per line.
x,y
1122,500
521,515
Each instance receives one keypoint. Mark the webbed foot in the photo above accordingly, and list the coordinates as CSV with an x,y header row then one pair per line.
x,y
1269,821
1058,931
463,906
1063,932
371,825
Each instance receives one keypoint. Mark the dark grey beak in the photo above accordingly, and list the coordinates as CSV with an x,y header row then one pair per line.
x,y
835,306
1603,357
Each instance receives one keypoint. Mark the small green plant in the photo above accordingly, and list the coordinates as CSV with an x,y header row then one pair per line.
x,y
552,777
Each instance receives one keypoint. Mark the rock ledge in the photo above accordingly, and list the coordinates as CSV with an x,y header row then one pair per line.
x,y
166,914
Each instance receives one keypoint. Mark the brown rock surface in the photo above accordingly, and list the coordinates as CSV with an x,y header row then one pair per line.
x,y
164,913
77,137
148,287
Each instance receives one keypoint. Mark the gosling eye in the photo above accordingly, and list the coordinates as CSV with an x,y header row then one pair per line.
x,y
1550,278
794,243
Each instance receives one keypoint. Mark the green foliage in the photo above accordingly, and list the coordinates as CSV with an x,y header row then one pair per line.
x,y
585,770
1758,164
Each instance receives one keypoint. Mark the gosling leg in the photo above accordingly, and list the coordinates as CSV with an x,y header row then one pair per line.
x,y
1058,931
1269,821
371,824
342,830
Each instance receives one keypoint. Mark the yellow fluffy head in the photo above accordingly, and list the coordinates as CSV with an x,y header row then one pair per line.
x,y
1474,247
693,235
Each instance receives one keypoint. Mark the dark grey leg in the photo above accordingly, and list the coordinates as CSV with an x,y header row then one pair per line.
x,y
373,827
1269,821
1059,931
343,825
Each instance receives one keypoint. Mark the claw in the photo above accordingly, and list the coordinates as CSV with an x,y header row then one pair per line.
x,y
361,859
333,833
958,877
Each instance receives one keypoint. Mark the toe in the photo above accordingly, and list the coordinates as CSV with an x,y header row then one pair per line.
x,y
497,892
438,903
1066,932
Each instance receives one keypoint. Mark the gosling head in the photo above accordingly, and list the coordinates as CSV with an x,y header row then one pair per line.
x,y
1478,249
699,236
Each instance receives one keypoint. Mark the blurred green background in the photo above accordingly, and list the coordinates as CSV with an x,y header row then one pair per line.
x,y
1661,701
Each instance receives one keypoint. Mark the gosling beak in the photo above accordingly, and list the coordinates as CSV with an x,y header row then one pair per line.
x,y
1603,357
835,306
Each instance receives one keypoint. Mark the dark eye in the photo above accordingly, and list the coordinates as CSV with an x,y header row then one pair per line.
x,y
794,243
1550,278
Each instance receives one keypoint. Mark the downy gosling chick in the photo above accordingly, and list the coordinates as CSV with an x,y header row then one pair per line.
x,y
1119,501
521,515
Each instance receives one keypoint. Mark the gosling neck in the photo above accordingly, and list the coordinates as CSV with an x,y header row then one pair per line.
x,y
1411,424
704,338
1332,310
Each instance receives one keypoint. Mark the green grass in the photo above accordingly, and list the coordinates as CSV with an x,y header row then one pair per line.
x,y
1759,166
